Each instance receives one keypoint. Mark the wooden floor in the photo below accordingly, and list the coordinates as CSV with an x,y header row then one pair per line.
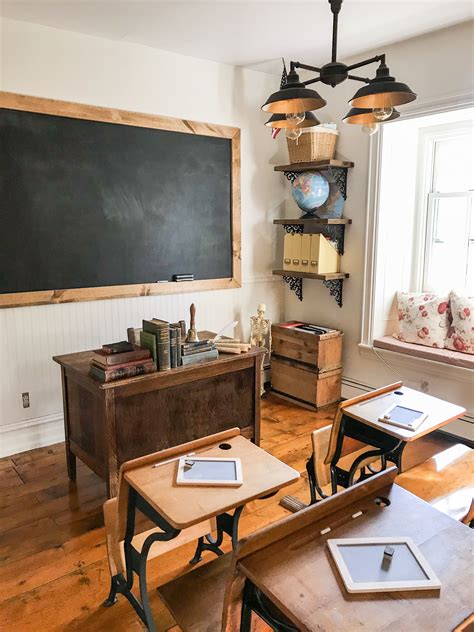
x,y
53,567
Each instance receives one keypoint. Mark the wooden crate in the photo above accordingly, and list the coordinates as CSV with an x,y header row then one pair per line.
x,y
310,388
307,368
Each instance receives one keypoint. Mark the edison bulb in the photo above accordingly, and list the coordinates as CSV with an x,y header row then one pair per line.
x,y
293,133
295,118
370,128
384,113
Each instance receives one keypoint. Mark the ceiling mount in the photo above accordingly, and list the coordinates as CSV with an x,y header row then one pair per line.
x,y
376,100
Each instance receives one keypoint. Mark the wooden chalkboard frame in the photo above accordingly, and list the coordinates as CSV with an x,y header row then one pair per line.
x,y
12,101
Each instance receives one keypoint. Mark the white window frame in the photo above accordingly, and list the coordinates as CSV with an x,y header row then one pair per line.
x,y
455,102
426,199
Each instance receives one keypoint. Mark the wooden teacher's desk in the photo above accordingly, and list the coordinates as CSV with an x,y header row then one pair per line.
x,y
296,573
108,424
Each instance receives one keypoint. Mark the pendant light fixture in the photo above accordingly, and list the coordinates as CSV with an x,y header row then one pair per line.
x,y
293,97
372,104
281,121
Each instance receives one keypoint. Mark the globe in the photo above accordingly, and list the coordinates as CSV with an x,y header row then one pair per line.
x,y
310,190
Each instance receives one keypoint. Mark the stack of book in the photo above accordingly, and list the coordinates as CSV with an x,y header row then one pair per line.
x,y
202,351
120,360
163,340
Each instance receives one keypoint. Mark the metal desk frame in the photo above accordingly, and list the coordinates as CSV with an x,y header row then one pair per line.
x,y
135,561
387,448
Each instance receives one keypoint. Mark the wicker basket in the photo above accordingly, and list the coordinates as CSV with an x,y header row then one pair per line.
x,y
314,144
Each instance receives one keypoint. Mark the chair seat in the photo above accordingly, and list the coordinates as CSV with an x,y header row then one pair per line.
x,y
446,480
196,599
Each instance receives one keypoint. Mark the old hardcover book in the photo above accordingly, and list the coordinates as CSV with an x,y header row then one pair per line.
x,y
119,374
196,345
148,342
161,329
177,327
173,348
133,335
117,347
124,365
111,359
205,356
201,349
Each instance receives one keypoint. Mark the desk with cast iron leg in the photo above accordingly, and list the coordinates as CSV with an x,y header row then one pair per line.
x,y
360,419
136,561
151,488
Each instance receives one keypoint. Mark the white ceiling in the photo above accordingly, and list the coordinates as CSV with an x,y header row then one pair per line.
x,y
248,33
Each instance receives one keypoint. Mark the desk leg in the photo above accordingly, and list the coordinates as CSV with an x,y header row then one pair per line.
x,y
226,523
254,600
135,561
70,457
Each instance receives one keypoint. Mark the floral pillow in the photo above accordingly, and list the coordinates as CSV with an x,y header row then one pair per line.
x,y
461,332
423,319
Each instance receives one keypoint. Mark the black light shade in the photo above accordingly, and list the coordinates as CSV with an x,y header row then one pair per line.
x,y
293,97
365,116
280,121
382,91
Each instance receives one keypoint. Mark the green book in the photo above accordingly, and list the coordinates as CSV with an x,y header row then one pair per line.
x,y
161,330
148,341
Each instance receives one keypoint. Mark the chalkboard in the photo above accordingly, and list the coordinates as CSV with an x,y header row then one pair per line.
x,y
93,203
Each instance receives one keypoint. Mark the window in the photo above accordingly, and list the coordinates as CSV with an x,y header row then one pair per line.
x,y
421,235
446,183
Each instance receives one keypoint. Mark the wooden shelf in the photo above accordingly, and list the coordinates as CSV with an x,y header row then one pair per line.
x,y
315,165
310,275
310,221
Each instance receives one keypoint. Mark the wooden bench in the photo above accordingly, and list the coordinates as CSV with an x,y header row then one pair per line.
x,y
446,481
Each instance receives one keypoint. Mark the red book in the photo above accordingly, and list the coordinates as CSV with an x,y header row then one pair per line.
x,y
124,365
106,360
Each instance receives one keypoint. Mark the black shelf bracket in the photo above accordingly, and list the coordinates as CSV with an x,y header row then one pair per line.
x,y
294,229
340,176
296,285
334,286
291,175
335,289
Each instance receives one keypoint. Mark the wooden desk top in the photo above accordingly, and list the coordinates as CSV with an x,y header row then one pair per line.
x,y
79,364
297,573
184,506
440,413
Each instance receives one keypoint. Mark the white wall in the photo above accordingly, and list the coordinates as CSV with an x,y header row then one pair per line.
x,y
46,62
436,66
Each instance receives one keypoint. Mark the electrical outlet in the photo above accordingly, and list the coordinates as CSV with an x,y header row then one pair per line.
x,y
425,386
26,400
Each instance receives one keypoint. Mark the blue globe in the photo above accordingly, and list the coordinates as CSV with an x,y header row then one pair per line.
x,y
310,190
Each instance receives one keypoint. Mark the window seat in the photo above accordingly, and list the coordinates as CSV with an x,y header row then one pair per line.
x,y
446,356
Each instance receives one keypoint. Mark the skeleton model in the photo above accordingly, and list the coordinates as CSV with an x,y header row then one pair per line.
x,y
260,329
261,336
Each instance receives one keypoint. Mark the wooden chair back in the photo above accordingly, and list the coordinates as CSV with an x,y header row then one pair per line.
x,y
273,533
351,449
115,509
350,402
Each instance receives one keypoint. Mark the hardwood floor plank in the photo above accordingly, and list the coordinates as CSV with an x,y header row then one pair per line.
x,y
9,479
36,455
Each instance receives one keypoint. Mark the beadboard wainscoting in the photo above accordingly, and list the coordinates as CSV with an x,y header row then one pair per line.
x,y
31,336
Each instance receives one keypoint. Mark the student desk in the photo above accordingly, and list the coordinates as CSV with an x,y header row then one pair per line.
x,y
153,491
296,574
360,421
108,424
